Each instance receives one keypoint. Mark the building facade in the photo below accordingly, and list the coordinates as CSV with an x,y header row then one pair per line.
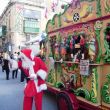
x,y
23,21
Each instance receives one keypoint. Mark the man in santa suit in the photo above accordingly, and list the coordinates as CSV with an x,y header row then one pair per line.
x,y
36,72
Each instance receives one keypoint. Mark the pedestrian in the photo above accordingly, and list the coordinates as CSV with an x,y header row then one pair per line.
x,y
15,55
1,59
6,65
36,72
14,67
2,63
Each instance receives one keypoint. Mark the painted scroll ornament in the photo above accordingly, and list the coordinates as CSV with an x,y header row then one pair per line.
x,y
98,25
105,90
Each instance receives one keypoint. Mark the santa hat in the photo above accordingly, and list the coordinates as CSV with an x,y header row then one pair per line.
x,y
27,54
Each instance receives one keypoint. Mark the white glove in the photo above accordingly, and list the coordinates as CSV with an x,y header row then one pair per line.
x,y
33,76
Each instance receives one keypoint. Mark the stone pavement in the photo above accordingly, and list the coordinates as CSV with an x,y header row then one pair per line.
x,y
11,95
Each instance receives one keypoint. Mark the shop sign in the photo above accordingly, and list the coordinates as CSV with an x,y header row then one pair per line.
x,y
9,48
84,67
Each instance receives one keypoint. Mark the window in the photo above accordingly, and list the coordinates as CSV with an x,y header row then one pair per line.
x,y
31,26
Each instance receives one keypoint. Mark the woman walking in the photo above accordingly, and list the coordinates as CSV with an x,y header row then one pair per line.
x,y
6,66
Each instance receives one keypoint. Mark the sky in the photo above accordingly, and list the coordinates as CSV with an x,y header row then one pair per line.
x,y
3,4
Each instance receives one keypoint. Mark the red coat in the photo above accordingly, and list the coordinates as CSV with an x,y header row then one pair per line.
x,y
37,85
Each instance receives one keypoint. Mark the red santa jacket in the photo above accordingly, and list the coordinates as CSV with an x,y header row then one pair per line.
x,y
37,85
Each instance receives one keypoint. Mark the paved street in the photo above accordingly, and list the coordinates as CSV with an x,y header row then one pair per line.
x,y
11,95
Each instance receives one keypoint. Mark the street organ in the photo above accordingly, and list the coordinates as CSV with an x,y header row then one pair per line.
x,y
78,55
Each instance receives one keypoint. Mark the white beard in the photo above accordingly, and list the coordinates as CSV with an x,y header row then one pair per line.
x,y
28,65
25,64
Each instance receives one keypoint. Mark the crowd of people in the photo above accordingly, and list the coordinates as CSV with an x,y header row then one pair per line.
x,y
9,65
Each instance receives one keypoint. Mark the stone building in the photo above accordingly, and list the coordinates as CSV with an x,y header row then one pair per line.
x,y
23,21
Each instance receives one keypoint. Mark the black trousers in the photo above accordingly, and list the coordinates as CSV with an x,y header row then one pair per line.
x,y
22,76
14,73
3,69
7,74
